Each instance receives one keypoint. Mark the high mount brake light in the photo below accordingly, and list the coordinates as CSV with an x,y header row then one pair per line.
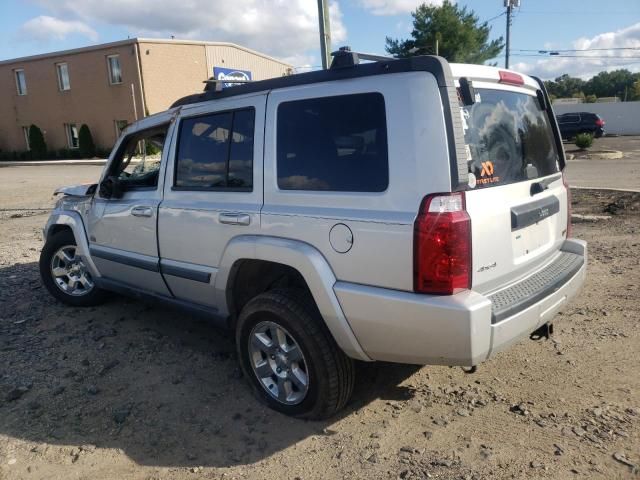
x,y
442,245
510,77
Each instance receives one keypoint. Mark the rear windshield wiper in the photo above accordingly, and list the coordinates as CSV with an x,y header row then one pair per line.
x,y
542,185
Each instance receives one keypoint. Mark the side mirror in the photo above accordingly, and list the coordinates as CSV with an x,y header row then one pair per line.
x,y
110,188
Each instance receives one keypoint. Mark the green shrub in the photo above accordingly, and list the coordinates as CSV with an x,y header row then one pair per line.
x,y
584,140
85,142
36,142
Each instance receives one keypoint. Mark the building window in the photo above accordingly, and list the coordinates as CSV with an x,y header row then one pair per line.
x,y
63,77
115,73
21,82
25,132
120,126
72,135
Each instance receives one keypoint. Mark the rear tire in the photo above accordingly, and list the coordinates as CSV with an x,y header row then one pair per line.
x,y
64,273
303,350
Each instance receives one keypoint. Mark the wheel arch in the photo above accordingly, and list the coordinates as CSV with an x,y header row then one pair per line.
x,y
299,262
62,220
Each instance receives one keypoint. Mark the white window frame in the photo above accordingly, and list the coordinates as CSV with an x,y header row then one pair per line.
x,y
16,73
110,70
67,129
59,69
25,131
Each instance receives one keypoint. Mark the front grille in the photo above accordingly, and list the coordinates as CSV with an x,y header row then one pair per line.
x,y
521,295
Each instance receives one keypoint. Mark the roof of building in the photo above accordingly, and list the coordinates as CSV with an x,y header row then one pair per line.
x,y
131,41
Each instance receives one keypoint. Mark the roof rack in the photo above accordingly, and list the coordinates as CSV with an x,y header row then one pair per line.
x,y
339,70
344,57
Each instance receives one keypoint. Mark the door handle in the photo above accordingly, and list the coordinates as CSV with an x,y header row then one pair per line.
x,y
141,211
229,218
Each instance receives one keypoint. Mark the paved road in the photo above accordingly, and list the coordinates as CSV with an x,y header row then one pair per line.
x,y
33,186
623,173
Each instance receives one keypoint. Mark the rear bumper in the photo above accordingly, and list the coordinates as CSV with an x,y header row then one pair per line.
x,y
447,330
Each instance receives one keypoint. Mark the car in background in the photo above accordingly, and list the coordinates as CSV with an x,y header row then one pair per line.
x,y
572,124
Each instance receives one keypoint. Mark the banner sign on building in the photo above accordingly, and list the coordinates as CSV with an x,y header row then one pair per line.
x,y
221,73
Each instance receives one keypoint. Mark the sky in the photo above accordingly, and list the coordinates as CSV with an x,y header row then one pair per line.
x,y
288,29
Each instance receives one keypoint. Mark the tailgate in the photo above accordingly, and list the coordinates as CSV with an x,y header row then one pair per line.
x,y
516,197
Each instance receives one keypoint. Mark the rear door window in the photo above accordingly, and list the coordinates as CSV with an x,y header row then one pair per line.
x,y
215,152
508,139
334,143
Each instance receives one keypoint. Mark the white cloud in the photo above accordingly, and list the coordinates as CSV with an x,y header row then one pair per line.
x,y
45,28
394,7
283,28
592,62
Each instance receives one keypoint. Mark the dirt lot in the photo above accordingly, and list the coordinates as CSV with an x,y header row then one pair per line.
x,y
131,391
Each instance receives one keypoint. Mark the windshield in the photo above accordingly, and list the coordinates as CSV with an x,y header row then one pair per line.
x,y
508,139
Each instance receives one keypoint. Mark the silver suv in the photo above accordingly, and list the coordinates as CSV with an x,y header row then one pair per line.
x,y
407,210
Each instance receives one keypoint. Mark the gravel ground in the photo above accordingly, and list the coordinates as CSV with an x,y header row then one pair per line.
x,y
132,391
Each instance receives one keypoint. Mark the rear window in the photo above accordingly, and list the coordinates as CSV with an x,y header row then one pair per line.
x,y
333,143
508,139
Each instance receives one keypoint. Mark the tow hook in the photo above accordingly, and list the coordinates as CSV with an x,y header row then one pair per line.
x,y
545,331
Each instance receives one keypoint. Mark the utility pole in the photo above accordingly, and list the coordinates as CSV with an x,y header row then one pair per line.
x,y
325,33
509,4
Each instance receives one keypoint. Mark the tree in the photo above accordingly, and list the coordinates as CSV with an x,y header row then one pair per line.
x,y
636,90
461,37
565,86
85,142
617,83
37,145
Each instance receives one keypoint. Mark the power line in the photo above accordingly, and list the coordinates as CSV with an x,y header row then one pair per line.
x,y
495,18
545,50
572,56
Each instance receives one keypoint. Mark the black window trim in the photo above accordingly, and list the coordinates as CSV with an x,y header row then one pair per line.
x,y
177,188
337,192
123,146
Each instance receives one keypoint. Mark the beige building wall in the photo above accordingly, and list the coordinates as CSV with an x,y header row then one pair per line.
x,y
91,98
157,71
232,56
171,71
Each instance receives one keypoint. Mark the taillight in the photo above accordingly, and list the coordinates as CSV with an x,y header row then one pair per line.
x,y
566,185
599,122
442,245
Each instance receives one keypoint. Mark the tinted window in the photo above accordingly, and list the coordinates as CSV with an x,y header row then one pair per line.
x,y
568,119
216,151
241,150
333,143
509,139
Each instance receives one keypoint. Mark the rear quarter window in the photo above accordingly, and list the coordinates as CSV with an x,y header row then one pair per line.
x,y
334,143
508,139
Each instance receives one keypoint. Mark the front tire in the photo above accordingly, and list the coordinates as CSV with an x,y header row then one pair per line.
x,y
290,358
64,273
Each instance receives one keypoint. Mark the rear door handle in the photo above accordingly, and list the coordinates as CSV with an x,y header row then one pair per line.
x,y
141,211
230,218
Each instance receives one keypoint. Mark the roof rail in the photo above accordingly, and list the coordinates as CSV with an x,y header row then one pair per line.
x,y
344,57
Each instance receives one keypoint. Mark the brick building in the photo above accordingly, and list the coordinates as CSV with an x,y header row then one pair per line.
x,y
110,85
